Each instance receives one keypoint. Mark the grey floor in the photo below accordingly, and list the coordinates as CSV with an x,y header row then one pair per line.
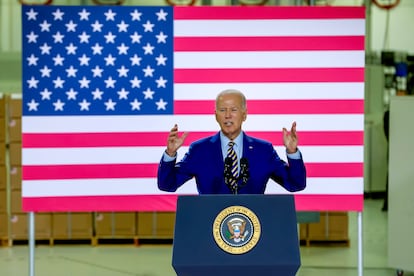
x,y
155,260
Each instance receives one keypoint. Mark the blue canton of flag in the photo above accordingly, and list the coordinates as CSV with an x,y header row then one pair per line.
x,y
97,60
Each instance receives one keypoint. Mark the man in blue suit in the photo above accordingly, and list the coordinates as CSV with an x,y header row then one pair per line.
x,y
209,160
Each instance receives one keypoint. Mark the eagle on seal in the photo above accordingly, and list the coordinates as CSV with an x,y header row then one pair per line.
x,y
236,228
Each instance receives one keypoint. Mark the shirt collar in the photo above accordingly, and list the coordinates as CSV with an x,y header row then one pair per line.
x,y
225,140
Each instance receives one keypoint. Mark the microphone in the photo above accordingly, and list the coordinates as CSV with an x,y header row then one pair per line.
x,y
228,176
244,170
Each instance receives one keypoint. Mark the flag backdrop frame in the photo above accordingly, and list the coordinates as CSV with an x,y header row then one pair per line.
x,y
308,67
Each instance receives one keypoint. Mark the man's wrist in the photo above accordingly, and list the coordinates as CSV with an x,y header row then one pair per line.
x,y
170,154
291,152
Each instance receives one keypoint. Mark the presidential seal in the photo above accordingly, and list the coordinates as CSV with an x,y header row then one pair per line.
x,y
236,230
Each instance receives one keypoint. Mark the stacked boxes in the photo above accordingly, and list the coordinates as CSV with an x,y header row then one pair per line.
x,y
3,171
115,225
3,226
332,228
156,225
19,226
14,141
72,226
14,130
18,219
141,225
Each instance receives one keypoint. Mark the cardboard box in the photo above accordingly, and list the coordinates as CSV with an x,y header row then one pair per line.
x,y
4,225
3,105
15,150
15,130
145,224
43,225
117,225
81,225
104,224
60,226
72,225
165,224
16,201
19,226
2,153
156,224
3,177
14,106
3,130
303,231
15,177
333,226
3,201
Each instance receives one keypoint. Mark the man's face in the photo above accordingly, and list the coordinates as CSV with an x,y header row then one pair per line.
x,y
230,114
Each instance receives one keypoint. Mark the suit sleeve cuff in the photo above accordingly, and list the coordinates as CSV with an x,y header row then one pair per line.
x,y
167,158
296,155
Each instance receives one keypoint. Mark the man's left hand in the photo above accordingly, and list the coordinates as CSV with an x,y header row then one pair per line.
x,y
290,139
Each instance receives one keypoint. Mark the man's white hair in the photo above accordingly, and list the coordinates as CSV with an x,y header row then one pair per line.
x,y
235,92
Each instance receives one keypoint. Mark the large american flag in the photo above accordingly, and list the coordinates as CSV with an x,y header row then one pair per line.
x,y
102,87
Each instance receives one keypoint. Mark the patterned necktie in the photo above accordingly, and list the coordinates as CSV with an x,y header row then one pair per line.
x,y
233,157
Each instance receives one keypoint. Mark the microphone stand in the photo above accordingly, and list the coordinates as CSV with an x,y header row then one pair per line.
x,y
243,176
244,171
228,177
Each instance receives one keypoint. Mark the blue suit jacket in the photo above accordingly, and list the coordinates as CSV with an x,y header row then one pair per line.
x,y
204,161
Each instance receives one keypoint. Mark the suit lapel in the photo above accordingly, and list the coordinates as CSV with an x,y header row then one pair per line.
x,y
216,150
248,146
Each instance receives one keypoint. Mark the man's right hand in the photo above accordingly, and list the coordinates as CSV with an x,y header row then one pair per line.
x,y
175,141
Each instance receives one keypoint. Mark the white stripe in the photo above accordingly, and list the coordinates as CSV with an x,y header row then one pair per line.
x,y
305,122
77,156
293,27
143,155
325,186
148,186
273,91
91,124
89,187
330,154
280,59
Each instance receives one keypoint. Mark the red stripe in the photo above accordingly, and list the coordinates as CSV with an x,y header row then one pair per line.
x,y
68,140
109,139
334,169
307,138
168,203
321,138
309,43
100,203
89,171
231,13
278,107
340,203
50,172
269,75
